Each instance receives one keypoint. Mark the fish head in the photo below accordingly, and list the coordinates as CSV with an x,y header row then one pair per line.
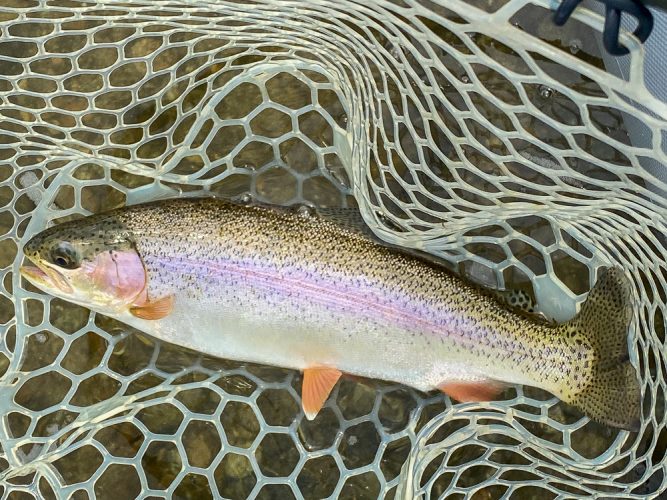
x,y
92,261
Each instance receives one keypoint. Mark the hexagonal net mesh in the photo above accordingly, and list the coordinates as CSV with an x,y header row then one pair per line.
x,y
474,132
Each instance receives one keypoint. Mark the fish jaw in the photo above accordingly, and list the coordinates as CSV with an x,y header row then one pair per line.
x,y
48,280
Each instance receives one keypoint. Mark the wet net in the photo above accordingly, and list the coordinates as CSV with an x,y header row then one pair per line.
x,y
476,131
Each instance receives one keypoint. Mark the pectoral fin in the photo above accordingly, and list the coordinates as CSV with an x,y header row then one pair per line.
x,y
484,390
157,309
317,385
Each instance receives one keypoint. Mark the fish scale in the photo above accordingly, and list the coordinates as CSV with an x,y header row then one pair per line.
x,y
269,286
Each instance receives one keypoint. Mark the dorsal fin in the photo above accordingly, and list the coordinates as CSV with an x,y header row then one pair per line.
x,y
348,218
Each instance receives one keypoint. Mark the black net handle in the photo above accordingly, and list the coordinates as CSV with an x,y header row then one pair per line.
x,y
612,23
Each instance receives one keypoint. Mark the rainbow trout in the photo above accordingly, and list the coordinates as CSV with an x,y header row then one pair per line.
x,y
269,286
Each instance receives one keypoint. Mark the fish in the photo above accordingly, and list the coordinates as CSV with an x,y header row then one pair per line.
x,y
271,286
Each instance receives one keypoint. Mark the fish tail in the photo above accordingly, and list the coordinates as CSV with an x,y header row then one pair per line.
x,y
611,393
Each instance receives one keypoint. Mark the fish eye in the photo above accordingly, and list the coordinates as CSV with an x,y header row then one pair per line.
x,y
65,255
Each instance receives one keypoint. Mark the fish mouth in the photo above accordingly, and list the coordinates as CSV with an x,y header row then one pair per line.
x,y
45,277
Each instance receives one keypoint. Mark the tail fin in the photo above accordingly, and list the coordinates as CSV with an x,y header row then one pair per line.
x,y
612,394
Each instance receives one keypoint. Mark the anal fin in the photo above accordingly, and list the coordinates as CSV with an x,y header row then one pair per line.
x,y
317,385
483,390
157,309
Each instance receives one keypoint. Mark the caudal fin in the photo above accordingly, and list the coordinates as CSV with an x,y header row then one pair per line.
x,y
611,394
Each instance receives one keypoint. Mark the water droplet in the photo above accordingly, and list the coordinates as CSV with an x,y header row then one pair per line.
x,y
352,440
546,92
40,338
465,79
340,176
305,211
389,224
246,198
575,46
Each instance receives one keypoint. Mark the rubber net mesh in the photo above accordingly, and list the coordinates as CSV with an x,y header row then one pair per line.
x,y
475,131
